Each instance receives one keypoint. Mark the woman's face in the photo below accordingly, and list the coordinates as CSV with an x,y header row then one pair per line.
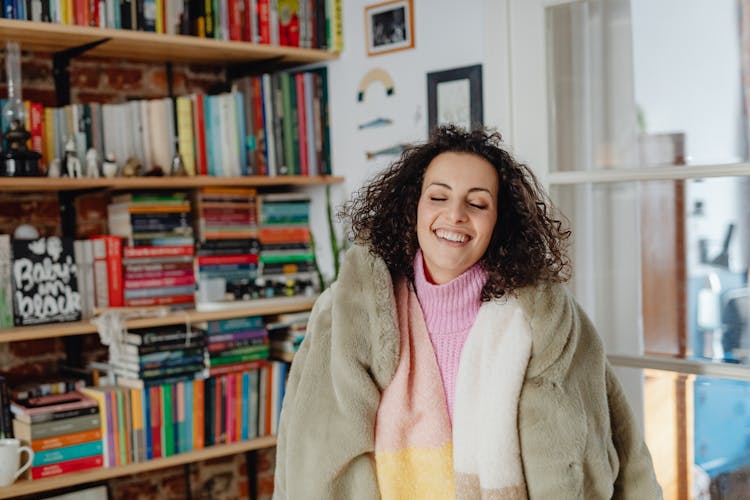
x,y
456,214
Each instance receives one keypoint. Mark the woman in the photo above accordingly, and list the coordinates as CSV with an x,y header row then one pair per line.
x,y
448,361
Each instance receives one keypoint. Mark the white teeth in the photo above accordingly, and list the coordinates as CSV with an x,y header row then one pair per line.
x,y
446,235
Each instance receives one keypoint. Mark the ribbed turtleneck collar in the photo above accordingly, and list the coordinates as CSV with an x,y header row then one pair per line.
x,y
453,306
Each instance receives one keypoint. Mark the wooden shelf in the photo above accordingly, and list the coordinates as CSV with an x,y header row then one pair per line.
x,y
26,487
154,47
260,307
36,184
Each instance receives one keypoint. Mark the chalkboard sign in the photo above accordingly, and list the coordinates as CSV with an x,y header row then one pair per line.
x,y
45,288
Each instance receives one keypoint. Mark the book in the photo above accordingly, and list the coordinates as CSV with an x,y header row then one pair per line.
x,y
72,452
6,282
44,405
71,439
56,415
31,432
67,466
45,286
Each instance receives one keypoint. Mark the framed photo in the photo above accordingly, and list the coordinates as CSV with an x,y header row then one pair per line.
x,y
389,26
455,96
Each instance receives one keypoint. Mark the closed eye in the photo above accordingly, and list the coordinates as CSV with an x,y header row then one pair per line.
x,y
478,205
437,198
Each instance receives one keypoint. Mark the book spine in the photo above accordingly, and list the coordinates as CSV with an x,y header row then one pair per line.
x,y
66,467
6,421
67,453
65,440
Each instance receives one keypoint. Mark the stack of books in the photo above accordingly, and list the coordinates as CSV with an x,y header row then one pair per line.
x,y
286,257
157,252
227,248
64,430
235,392
286,334
159,355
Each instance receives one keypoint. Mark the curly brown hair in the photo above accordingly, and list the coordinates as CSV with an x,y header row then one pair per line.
x,y
528,244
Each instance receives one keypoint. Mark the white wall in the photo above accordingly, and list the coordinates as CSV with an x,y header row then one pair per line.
x,y
448,34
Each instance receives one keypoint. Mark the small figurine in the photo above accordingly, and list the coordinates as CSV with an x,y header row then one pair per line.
x,y
54,168
71,166
178,165
132,167
109,165
92,163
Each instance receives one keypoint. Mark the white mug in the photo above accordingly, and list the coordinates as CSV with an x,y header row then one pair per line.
x,y
10,459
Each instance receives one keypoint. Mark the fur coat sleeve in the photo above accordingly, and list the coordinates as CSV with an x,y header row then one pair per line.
x,y
578,434
350,352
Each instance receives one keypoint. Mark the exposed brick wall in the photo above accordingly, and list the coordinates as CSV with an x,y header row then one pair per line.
x,y
105,80
98,80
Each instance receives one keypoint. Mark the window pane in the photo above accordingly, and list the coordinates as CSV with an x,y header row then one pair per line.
x,y
645,82
662,266
698,432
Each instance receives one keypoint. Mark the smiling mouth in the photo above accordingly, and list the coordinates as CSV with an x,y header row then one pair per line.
x,y
451,236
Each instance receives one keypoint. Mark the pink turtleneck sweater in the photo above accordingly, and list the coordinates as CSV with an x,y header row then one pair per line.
x,y
449,312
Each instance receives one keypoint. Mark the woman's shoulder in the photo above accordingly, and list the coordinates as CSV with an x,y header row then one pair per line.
x,y
556,324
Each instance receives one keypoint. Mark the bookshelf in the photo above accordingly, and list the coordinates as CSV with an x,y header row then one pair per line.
x,y
37,184
258,307
152,47
53,483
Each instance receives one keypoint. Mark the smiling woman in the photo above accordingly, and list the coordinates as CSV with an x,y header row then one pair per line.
x,y
447,361
456,214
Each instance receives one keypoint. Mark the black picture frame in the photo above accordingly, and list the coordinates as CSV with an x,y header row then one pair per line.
x,y
455,96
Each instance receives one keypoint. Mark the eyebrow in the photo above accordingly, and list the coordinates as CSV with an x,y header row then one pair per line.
x,y
446,186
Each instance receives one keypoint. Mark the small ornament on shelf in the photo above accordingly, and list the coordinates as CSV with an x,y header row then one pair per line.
x,y
109,165
178,165
71,165
92,163
54,168
17,161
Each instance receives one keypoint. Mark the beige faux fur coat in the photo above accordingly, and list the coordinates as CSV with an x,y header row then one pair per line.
x,y
577,434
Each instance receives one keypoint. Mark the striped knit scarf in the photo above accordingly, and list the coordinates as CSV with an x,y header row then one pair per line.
x,y
417,454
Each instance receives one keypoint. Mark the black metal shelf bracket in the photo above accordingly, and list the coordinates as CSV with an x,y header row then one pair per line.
x,y
60,69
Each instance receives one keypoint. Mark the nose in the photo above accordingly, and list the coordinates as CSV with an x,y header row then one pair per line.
x,y
457,211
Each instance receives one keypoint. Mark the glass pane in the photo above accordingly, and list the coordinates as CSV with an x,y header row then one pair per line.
x,y
662,266
646,82
698,432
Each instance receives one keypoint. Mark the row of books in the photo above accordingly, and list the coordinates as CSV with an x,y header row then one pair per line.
x,y
295,23
273,124
112,425
235,393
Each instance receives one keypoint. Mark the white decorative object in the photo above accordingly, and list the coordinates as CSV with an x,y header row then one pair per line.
x,y
92,163
109,166
54,168
71,163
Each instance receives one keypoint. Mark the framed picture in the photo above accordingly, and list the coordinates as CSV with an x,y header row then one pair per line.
x,y
455,96
389,26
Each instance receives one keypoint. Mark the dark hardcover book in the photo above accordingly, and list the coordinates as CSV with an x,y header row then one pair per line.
x,y
198,17
326,164
126,14
46,18
45,283
6,420
208,411
253,244
144,349
163,336
58,415
140,20
321,40
186,18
